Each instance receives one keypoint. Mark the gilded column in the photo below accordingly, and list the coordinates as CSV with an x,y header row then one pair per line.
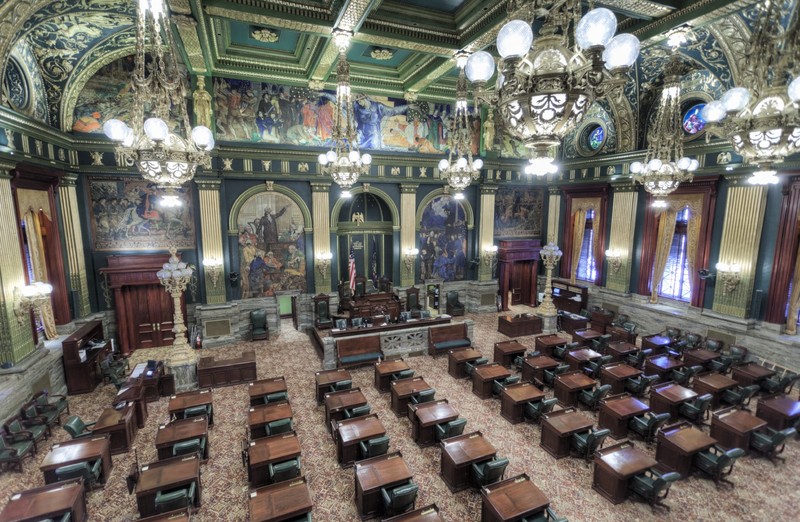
x,y
408,233
320,209
741,236
553,213
486,233
620,242
213,258
73,241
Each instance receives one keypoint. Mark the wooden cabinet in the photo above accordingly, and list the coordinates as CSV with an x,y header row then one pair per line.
x,y
82,353
518,268
231,371
564,295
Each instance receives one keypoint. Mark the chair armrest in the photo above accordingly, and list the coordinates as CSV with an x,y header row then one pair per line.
x,y
22,435
34,421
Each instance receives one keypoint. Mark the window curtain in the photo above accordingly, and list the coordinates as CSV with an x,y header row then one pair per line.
x,y
666,231
794,298
578,229
33,231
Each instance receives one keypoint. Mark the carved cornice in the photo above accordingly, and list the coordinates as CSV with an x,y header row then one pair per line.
x,y
317,186
208,184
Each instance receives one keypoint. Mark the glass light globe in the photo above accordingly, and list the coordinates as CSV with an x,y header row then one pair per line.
x,y
478,164
621,51
462,162
713,111
794,89
156,129
480,67
459,195
684,163
345,194
595,28
115,129
366,159
202,136
514,39
735,99
693,165
636,167
127,141
322,159
331,155
211,143
654,164
443,164
354,156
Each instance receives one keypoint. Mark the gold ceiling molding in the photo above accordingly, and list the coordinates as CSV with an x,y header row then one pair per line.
x,y
639,7
733,37
485,19
187,29
264,35
400,43
712,15
288,7
432,76
180,7
350,19
382,54
326,61
13,16
261,19
406,31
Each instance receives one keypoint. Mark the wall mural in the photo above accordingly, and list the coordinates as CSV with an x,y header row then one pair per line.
x,y
443,240
105,96
24,84
124,216
271,245
518,212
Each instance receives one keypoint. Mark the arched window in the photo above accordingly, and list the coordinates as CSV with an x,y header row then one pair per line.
x,y
587,267
676,283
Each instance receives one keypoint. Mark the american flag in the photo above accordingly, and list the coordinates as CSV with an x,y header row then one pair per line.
x,y
352,267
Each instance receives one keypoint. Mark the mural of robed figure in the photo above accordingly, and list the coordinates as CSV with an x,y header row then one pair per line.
x,y
268,226
368,115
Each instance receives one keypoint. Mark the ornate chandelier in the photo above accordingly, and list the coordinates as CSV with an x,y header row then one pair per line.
x,y
160,153
545,89
762,121
344,163
459,169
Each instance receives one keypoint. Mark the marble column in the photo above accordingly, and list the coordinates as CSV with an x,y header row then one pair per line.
x,y
486,270
321,212
408,233
211,234
623,223
73,242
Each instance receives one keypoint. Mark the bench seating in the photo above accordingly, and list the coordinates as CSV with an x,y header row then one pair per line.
x,y
355,351
444,338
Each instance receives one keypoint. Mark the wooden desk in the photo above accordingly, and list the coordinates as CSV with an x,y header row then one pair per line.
x,y
519,325
619,350
429,513
179,515
424,418
51,501
268,450
618,333
282,501
585,336
512,499
459,453
713,383
384,371
257,390
133,391
750,373
152,379
573,322
165,475
484,375
557,430
578,358
568,385
546,343
701,357
325,378
616,374
120,425
337,402
76,451
402,390
385,471
661,365
182,401
259,416
457,359
732,428
533,367
348,433
677,444
506,351
657,343
181,430
226,372
613,468
780,412
667,398
615,412
514,398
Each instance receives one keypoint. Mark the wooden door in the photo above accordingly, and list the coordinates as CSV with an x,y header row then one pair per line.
x,y
163,309
151,316
517,283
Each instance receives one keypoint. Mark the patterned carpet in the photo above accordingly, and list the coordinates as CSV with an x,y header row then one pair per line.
x,y
762,490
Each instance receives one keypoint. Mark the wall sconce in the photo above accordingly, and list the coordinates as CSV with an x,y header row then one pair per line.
x,y
410,255
324,263
30,297
614,258
730,275
489,253
213,267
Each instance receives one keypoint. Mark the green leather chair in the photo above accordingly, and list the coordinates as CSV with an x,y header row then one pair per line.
x,y
692,341
340,386
548,515
697,410
399,499
358,411
77,428
533,410
587,442
592,398
620,319
357,322
374,447
683,376
323,319
423,396
412,300
739,396
652,486
720,365
197,411
279,426
735,353
772,442
19,429
782,385
561,351
601,343
341,324
88,471
488,472
30,413
549,376
713,345
171,500
12,453
453,306
648,424
280,471
450,429
498,385
592,368
469,367
640,386
520,359
258,318
275,397
677,349
66,517
46,402
189,447
636,359
404,374
672,332
717,462
629,327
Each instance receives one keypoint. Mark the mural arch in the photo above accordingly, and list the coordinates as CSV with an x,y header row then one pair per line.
x,y
443,223
386,198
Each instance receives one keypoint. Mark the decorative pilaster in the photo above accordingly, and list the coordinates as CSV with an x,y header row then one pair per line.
x,y
486,233
553,213
408,229
320,209
623,223
73,241
211,230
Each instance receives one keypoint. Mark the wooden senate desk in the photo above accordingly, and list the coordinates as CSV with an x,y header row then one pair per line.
x,y
546,343
750,373
182,401
657,343
677,444
513,399
179,515
77,451
326,378
348,433
285,500
259,416
385,471
459,453
429,513
618,350
457,359
512,499
165,475
700,357
578,358
616,374
618,333
181,430
337,402
424,418
269,450
51,501
780,412
402,390
258,390
568,385
661,365
533,367
614,466
732,428
379,328
484,375
713,383
153,379
573,322
557,430
668,397
83,374
133,391
519,325
506,351
585,336
120,425
384,371
226,372
615,412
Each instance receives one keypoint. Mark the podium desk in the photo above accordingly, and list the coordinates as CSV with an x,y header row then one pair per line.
x,y
385,471
732,428
384,371
619,350
348,433
259,416
585,336
179,515
457,360
676,446
514,398
402,390
182,401
120,425
578,358
533,367
484,375
780,412
133,391
613,468
519,325
163,475
657,343
750,373
459,453
713,383
615,412
424,418
285,500
76,451
258,390
429,513
51,501
567,386
269,450
662,365
337,402
506,351
616,374
700,357
667,398
179,431
572,322
153,380
558,428
618,333
512,499
546,343
326,378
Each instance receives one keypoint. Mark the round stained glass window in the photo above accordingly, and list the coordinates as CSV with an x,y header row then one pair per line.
x,y
692,121
596,138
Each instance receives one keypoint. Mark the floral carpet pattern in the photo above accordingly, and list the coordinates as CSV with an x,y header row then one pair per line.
x,y
761,491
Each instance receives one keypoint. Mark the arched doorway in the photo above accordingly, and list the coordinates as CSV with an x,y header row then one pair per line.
x,y
364,228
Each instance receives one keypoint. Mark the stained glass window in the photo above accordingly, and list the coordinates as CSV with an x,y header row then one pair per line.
x,y
596,138
692,121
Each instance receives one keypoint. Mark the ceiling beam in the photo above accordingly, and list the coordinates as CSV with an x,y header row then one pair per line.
x,y
658,29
